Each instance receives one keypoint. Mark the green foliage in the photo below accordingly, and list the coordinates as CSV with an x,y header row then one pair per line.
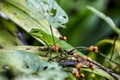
x,y
107,19
21,15
8,35
24,65
20,62
84,28
105,47
50,10
35,17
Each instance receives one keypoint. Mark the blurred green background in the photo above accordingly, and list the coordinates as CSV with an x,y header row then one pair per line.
x,y
85,28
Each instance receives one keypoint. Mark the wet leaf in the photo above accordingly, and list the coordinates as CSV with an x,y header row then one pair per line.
x,y
28,66
50,10
18,12
20,62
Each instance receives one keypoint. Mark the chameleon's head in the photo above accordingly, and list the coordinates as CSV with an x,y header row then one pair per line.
x,y
33,30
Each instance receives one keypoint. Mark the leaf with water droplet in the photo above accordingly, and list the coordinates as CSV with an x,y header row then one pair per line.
x,y
50,10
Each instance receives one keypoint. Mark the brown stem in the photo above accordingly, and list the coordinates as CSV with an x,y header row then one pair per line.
x,y
106,69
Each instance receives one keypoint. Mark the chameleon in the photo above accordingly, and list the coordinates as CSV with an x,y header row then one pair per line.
x,y
47,39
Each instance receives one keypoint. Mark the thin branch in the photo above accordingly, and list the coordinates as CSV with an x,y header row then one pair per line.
x,y
107,70
113,46
109,59
52,35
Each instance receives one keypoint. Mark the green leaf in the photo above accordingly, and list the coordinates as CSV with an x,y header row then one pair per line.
x,y
20,62
105,47
100,73
17,11
27,66
39,50
8,34
50,10
106,18
53,71
82,23
3,77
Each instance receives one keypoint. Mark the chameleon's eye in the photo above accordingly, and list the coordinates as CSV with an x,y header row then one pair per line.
x,y
35,31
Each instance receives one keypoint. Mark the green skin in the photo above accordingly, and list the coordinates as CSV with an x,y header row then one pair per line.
x,y
47,39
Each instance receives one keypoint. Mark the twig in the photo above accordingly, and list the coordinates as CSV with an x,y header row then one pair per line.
x,y
113,46
52,35
109,59
107,70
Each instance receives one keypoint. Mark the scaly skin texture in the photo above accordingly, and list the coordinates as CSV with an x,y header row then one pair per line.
x,y
47,39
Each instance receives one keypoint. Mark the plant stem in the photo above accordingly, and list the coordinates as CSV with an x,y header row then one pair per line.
x,y
109,59
113,47
107,70
52,35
